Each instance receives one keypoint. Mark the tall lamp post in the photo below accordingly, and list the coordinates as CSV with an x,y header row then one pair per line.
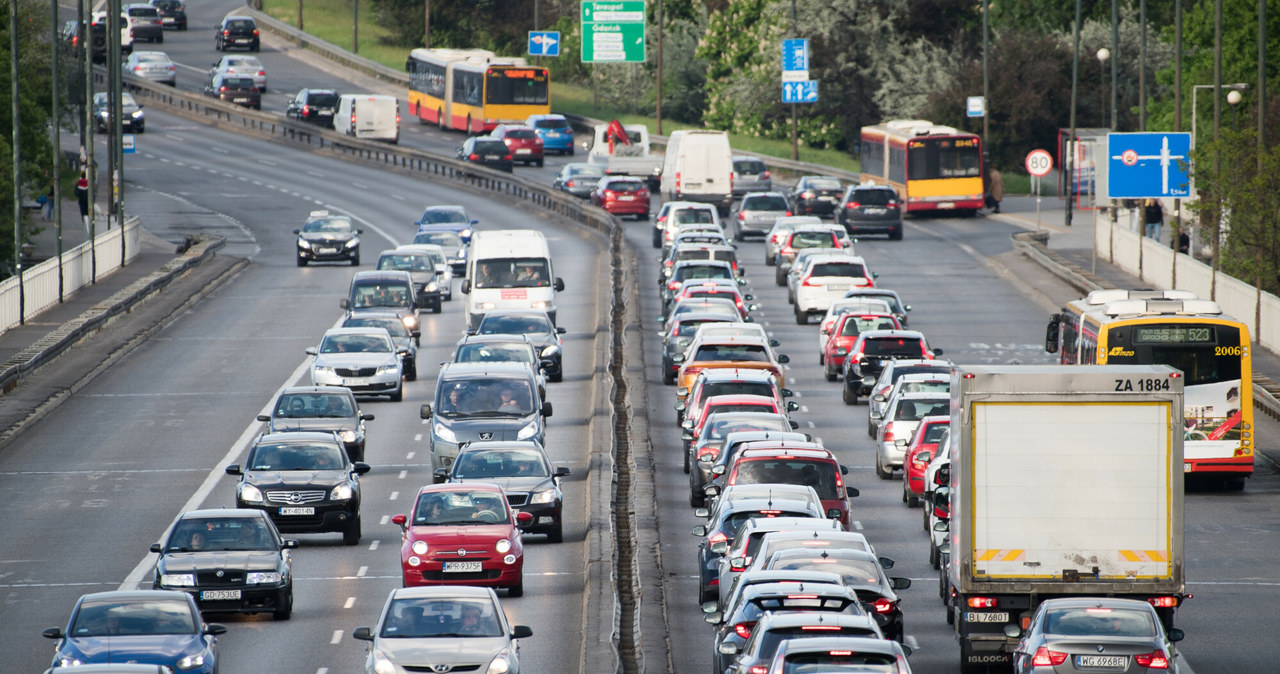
x,y
1237,87
1103,55
1233,99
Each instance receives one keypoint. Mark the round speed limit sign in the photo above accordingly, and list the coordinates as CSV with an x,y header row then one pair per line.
x,y
1039,163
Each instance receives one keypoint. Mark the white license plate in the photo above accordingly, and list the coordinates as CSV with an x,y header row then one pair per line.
x,y
626,197
986,617
328,251
239,100
168,19
1186,467
354,382
492,157
876,211
220,594
692,186
831,200
463,567
1105,661
946,204
840,286
308,510
524,150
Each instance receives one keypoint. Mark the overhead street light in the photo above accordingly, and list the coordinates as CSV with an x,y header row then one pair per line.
x,y
1235,89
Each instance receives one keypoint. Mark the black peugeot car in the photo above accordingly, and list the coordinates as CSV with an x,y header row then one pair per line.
x,y
525,474
304,482
329,409
229,561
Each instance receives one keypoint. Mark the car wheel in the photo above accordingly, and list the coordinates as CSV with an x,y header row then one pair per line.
x,y
913,501
849,397
516,590
829,374
896,234
411,370
285,611
882,471
160,39
643,217
398,395
540,162
822,360
779,276
657,238
802,318
254,47
302,261
768,260
351,535
904,491
668,377
791,296
925,523
571,150
557,376
355,259
357,454
556,535
696,501
686,461
933,555
436,308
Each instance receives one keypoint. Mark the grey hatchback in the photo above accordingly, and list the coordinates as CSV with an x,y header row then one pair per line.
x,y
869,208
750,175
758,212
321,408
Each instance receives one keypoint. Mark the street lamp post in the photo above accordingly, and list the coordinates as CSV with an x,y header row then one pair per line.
x,y
1239,86
1103,55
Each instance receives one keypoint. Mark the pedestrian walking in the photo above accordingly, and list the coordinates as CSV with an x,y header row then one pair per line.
x,y
82,196
995,189
1152,217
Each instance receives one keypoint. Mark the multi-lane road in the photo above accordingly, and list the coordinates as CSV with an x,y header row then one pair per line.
x,y
98,480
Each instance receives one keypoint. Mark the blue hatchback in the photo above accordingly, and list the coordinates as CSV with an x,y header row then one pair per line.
x,y
555,132
160,627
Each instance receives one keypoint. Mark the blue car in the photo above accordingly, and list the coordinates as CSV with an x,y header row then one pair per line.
x,y
555,132
447,218
159,627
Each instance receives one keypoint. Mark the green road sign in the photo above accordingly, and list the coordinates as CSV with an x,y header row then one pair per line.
x,y
613,31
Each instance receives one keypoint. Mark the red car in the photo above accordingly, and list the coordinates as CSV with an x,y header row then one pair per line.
x,y
734,403
622,195
463,534
847,328
523,142
924,444
808,464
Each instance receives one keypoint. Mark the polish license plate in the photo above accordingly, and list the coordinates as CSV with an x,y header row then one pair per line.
x,y
830,200
1103,661
839,286
986,617
1186,467
214,595
876,211
239,100
523,150
463,567
298,510
692,186
626,197
492,157
328,251
354,382
947,204
168,19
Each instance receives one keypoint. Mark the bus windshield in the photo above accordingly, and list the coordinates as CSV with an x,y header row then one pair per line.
x,y
1194,349
933,158
516,86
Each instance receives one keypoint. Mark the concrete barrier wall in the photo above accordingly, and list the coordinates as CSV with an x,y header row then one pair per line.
x,y
40,282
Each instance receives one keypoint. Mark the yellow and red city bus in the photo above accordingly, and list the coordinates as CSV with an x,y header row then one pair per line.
x,y
933,168
1174,328
474,90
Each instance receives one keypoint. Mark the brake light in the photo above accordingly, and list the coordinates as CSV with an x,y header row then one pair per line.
x,y
839,652
222,89
821,628
255,32
892,204
770,513
1047,658
888,431
1163,602
744,629
506,156
677,181
982,602
766,175
882,605
1152,660
262,73
353,119
852,204
473,157
741,216
807,194
717,537
788,213
609,194
788,250
809,282
225,33
569,184
759,669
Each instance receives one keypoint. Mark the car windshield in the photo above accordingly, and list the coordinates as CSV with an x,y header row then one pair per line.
x,y
528,272
853,571
764,203
143,11
392,294
460,507
494,353
328,226
893,346
856,325
168,5
116,618
915,410
199,534
504,463
686,216
345,343
295,456
817,474
242,62
479,396
586,171
531,324
523,134
446,240
406,262
551,123
442,216
1098,621
756,353
421,617
393,325
309,405
894,304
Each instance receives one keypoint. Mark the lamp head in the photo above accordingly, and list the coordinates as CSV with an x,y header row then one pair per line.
x,y
1233,97
1103,55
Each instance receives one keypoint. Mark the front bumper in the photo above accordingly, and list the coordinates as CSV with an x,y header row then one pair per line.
x,y
493,572
381,384
329,516
249,599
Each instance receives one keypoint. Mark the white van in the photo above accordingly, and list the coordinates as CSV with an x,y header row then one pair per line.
x,y
509,269
369,116
699,167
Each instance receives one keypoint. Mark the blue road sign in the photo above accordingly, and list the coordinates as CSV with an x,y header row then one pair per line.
x,y
795,54
1148,165
800,92
544,43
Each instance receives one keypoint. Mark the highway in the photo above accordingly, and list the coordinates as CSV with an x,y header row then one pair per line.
x,y
93,484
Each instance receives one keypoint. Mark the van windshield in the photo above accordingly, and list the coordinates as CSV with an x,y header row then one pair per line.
x,y
512,273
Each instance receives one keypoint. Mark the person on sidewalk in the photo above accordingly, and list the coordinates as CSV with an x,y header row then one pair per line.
x,y
995,189
82,196
1153,217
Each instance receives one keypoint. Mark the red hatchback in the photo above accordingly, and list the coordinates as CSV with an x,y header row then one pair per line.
x,y
923,447
463,534
523,142
622,195
807,464
847,328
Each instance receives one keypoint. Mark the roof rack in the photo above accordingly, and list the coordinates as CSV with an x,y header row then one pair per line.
x,y
1108,296
1163,307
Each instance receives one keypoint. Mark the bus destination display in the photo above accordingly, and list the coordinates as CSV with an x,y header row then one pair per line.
x,y
1171,334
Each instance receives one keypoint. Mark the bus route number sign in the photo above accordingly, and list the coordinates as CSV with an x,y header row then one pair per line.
x,y
1039,163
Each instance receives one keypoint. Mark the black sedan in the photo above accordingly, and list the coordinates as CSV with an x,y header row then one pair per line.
x,y
304,482
871,209
578,179
486,151
816,195
863,572
525,474
535,325
326,237
330,409
229,561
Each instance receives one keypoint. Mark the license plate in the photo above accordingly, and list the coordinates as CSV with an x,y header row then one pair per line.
x,y
239,100
328,251
463,567
214,595
1103,661
523,151
986,617
168,19
841,286
876,211
946,204
308,510
626,197
692,186
827,199
353,382
1186,467
491,157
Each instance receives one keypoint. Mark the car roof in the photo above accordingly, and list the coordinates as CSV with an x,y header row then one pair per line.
x,y
287,437
748,340
762,453
500,446
836,535
855,644
132,595
733,373
759,576
765,492
782,587
783,620
738,399
317,389
357,331
882,334
382,275
454,371
225,513
442,591
923,376
830,257
776,524
848,553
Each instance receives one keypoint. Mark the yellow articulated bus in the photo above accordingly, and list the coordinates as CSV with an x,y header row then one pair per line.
x,y
933,168
474,90
1175,328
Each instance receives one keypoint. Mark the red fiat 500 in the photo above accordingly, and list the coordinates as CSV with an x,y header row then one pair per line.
x,y
463,534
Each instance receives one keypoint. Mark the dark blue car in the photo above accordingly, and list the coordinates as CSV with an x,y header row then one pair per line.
x,y
160,627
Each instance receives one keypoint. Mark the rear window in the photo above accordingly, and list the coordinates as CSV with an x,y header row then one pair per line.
x,y
737,388
770,203
749,166
893,346
551,124
872,197
839,269
933,433
943,386
856,325
239,82
168,5
813,240
839,661
745,352
143,11
700,271
241,24
323,100
817,474
527,134
625,186
491,146
824,184
898,373
915,410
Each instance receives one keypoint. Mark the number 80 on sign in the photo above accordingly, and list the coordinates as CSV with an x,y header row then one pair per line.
x,y
1039,163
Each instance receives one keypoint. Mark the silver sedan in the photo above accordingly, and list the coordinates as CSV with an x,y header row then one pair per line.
x,y
364,360
1094,635
155,66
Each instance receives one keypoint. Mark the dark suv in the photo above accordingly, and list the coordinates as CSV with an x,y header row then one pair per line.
x,y
314,105
236,89
871,209
486,151
236,31
173,14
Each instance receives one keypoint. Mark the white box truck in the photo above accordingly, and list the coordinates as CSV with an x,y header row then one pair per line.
x,y
1066,481
699,167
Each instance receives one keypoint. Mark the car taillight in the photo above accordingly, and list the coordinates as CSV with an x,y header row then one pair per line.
x,y
306,110
808,194
507,157
255,32
677,181
609,194
1047,658
759,669
1152,660
852,204
788,213
262,73
882,605
810,283
888,431
225,33
892,204
741,216
718,537
353,119
673,285
744,629
473,157
222,89
1163,602
982,602
734,265
137,68
569,184
787,250
766,175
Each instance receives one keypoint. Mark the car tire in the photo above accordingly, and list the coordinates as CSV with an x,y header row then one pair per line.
x,y
668,378
351,534
896,234
516,590
302,261
829,374
398,395
556,534
913,501
286,611
437,308
411,371
557,376
849,397
540,162
355,259
643,217
925,523
357,454
694,501
254,48
934,557
802,318
571,150
779,276
160,40
657,238
822,360
882,471
686,461
768,261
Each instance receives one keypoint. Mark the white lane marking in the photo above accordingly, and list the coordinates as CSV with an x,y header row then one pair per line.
x,y
315,174
397,196
337,637
810,424
857,525
351,601
409,456
404,474
374,545
417,437
911,641
385,519
361,571
804,408
267,162
394,495
324,670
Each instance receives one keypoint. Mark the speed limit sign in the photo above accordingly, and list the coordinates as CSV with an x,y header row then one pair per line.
x,y
1039,163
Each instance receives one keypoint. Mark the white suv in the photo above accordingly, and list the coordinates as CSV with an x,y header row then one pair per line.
x,y
827,278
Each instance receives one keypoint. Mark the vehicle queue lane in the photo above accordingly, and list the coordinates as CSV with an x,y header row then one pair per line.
x,y
100,479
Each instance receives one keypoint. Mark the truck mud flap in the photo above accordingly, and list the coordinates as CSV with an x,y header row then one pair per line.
x,y
977,657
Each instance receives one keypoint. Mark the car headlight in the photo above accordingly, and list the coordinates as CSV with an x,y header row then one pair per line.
x,y
342,492
502,546
544,496
444,433
419,547
347,436
466,233
178,579
69,662
410,322
352,243
321,369
381,665
501,664
261,577
528,431
304,244
388,369
488,305
137,114
540,304
842,351
191,662
432,287
250,494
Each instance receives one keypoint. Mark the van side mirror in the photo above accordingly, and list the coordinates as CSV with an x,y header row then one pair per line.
x,y
344,303
559,284
425,411
466,286
440,476
1052,333
546,409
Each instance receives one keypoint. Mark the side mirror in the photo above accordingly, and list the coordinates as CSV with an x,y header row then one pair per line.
x,y
687,436
824,330
344,303
399,519
546,409
680,406
875,274
879,397
263,417
703,513
155,547
1013,631
521,632
792,405
561,471
942,525
365,416
741,281
562,331
289,543
783,359
851,492
885,562
425,411
833,513
214,629
748,297
360,467
686,424
297,231
234,469
728,648
362,633
440,476
713,618
794,425
1176,634
311,351
466,286
52,633
844,470
868,381
738,563
900,443
906,307
711,490
475,221
677,358
524,519
787,393
720,548
700,530
774,343
718,470
937,352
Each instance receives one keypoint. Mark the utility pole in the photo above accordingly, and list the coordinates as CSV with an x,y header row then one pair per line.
x,y
113,114
17,159
56,114
795,122
426,25
355,26
659,106
86,139
986,78
1068,165
1217,154
1142,67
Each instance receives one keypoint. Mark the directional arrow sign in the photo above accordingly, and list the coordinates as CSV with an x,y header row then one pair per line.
x,y
1148,165
800,92
544,43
